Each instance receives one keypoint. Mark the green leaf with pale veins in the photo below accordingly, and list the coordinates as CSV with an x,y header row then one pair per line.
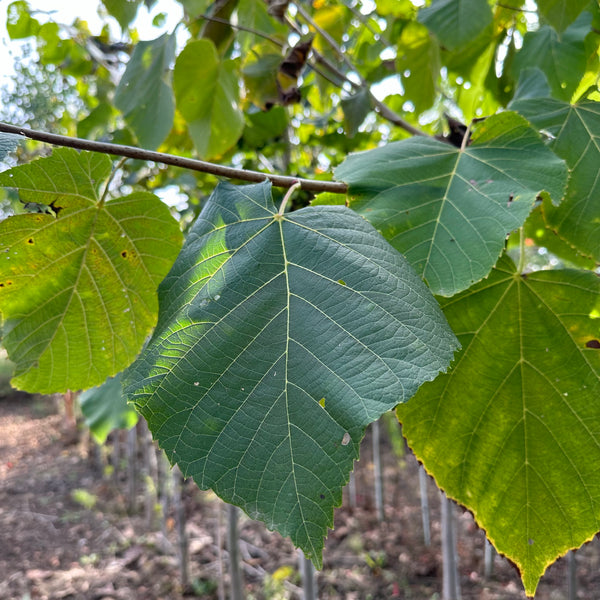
x,y
512,431
207,94
562,57
144,94
576,131
279,340
105,409
456,23
449,210
78,283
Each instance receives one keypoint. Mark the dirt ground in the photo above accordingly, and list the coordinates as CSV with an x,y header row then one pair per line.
x,y
53,547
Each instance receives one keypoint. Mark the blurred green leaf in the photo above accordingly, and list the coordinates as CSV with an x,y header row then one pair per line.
x,y
561,58
105,409
456,23
211,109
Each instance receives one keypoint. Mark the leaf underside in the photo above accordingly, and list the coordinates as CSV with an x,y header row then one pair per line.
x,y
512,430
279,339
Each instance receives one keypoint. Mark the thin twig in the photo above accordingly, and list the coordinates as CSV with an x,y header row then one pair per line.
x,y
243,28
283,181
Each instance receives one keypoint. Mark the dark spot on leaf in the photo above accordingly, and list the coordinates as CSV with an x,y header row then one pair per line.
x,y
30,241
452,240
510,199
5,284
593,344
530,542
322,496
124,254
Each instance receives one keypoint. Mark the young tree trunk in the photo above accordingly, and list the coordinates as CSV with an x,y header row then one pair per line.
x,y
132,469
309,580
424,506
572,576
451,581
352,490
376,431
150,474
180,521
488,559
233,548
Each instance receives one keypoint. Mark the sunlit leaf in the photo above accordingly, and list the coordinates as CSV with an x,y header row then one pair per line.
x,y
449,210
124,11
280,338
512,431
210,107
78,282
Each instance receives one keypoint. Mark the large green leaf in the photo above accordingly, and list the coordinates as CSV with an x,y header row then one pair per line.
x,y
144,94
576,131
513,430
449,210
562,58
206,90
456,23
105,409
279,339
78,282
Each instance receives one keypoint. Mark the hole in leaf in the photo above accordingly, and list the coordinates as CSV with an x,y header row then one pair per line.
x,y
593,344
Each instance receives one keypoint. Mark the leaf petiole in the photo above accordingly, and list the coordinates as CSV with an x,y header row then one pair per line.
x,y
287,197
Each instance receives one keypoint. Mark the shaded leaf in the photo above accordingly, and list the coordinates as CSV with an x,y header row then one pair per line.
x,y
355,109
576,128
144,94
211,109
449,210
560,14
511,431
105,409
279,339
562,58
456,23
77,286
